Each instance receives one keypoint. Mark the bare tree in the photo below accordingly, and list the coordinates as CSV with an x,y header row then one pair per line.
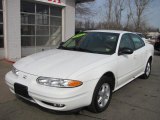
x,y
135,15
129,15
112,18
89,25
84,8
118,8
141,8
79,24
83,14
114,9
109,6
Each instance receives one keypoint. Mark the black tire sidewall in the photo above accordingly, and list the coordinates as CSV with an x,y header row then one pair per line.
x,y
145,75
94,104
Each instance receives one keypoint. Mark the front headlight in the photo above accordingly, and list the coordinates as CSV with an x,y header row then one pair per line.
x,y
15,71
54,82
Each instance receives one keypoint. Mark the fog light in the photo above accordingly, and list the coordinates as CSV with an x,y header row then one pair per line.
x,y
54,104
58,105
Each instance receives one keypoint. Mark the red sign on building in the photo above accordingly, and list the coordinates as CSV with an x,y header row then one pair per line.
x,y
56,1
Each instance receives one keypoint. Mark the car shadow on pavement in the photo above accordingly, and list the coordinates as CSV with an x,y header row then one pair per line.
x,y
157,53
72,112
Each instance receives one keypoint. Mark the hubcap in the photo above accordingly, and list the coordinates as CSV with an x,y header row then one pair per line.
x,y
148,69
103,95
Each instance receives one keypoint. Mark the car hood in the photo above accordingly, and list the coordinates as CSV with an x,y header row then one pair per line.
x,y
58,63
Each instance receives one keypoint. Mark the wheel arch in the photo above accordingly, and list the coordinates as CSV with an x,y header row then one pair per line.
x,y
150,59
111,75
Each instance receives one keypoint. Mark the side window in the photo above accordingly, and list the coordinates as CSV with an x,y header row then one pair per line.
x,y
138,42
126,42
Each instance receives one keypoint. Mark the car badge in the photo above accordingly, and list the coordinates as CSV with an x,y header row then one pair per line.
x,y
25,77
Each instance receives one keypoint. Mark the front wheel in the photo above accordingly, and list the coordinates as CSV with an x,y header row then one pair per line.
x,y
102,96
147,70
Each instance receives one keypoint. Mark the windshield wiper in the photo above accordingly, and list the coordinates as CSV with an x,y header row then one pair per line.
x,y
75,49
82,50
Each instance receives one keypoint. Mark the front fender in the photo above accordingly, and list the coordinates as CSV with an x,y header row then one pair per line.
x,y
95,73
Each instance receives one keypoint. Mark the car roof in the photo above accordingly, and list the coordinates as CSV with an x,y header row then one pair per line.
x,y
110,31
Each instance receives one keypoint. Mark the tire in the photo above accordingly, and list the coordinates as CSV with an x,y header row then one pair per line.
x,y
101,96
147,70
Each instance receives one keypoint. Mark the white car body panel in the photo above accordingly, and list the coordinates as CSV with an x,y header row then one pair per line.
x,y
74,65
64,63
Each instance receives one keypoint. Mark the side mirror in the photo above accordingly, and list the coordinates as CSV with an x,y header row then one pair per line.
x,y
124,51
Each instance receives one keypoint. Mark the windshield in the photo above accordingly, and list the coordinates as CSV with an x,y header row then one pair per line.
x,y
94,42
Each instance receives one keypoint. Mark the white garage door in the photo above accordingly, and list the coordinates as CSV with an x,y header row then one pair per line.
x,y
41,27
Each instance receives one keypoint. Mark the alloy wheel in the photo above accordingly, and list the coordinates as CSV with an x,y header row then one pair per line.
x,y
103,95
148,69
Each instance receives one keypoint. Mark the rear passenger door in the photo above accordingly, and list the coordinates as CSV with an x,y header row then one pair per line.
x,y
139,53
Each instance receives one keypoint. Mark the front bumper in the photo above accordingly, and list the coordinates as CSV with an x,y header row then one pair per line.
x,y
71,98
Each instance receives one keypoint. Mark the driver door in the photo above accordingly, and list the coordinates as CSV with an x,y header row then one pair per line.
x,y
125,63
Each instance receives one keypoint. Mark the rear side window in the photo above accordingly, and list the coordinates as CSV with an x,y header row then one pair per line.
x,y
126,42
138,42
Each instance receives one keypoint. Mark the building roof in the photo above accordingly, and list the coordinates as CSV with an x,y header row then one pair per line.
x,y
81,1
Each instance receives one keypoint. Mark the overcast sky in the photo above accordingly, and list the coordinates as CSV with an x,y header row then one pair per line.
x,y
152,15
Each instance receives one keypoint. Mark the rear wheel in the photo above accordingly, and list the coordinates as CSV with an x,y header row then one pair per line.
x,y
102,95
147,70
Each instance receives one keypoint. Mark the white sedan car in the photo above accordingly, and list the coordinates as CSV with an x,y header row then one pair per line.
x,y
83,71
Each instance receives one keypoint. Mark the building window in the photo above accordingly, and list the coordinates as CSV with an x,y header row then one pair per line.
x,y
41,25
1,26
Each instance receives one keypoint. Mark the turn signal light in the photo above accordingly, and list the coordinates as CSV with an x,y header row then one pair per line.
x,y
74,83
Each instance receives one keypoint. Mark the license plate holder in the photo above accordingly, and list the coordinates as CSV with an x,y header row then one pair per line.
x,y
21,90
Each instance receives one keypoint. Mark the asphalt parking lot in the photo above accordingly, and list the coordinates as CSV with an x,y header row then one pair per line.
x,y
139,100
